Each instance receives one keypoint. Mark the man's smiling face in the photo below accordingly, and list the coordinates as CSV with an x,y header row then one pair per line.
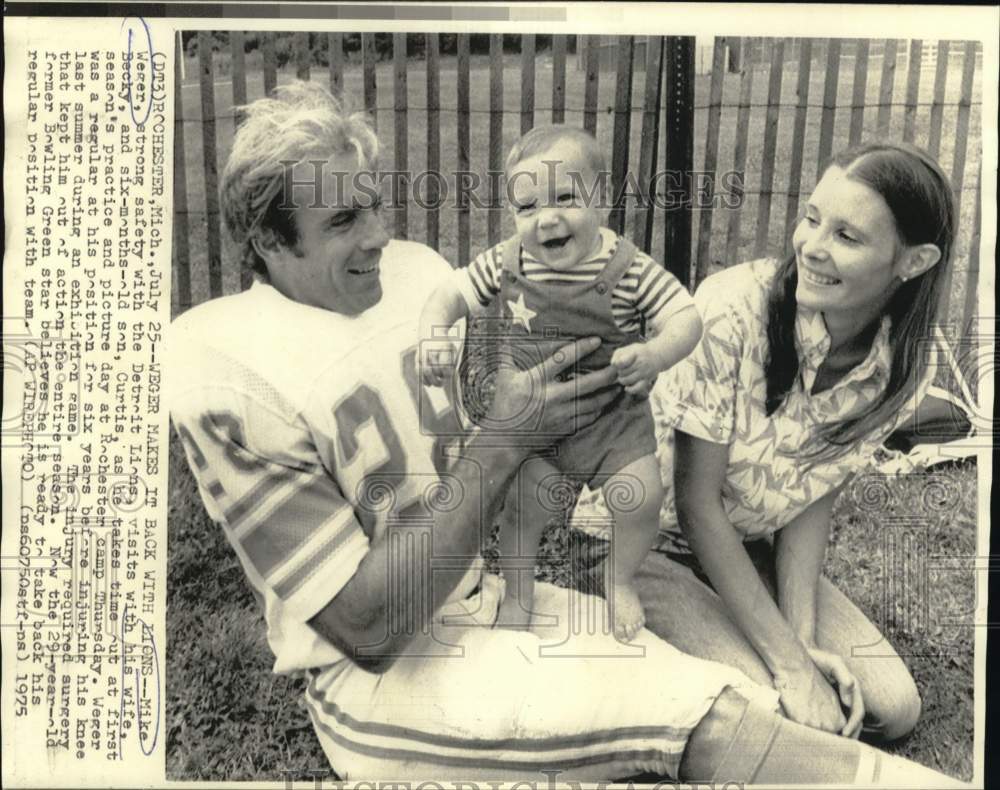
x,y
335,262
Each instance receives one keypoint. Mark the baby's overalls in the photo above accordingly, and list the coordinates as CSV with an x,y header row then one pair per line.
x,y
567,311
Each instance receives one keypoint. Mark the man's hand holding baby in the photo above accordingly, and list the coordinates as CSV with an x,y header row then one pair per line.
x,y
437,361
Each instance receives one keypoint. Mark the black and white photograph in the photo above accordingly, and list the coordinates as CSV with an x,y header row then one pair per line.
x,y
522,395
767,235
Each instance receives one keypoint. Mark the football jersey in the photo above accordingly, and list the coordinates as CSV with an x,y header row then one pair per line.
x,y
308,432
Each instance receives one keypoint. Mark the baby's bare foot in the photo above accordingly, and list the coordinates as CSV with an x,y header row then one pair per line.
x,y
626,610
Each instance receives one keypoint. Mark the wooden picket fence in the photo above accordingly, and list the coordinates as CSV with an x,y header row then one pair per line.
x,y
770,109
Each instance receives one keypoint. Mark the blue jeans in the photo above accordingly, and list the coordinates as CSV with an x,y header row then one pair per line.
x,y
684,610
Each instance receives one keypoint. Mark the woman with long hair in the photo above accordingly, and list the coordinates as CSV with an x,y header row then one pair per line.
x,y
805,367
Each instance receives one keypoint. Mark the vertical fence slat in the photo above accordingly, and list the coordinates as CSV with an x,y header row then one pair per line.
x,y
886,87
239,99
402,137
735,47
858,92
592,81
368,59
777,47
463,146
829,103
270,63
527,82
335,42
971,304
702,260
302,55
181,255
239,74
496,138
206,72
559,79
679,133
622,129
798,136
937,105
432,194
912,90
740,152
642,234
962,124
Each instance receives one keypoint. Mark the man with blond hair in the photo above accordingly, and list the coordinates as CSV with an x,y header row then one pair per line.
x,y
356,502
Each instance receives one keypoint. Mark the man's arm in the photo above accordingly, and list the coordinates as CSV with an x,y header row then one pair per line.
x,y
358,618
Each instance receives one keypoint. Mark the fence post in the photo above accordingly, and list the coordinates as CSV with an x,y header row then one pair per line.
x,y
402,137
496,138
886,87
739,162
798,137
181,256
707,198
777,47
300,42
937,107
735,47
971,302
620,141
912,90
558,79
270,63
335,56
211,161
368,57
642,233
962,122
433,139
527,82
858,92
679,131
239,99
462,139
828,117
593,57
239,74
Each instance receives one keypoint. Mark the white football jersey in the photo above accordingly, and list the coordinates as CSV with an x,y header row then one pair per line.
x,y
308,432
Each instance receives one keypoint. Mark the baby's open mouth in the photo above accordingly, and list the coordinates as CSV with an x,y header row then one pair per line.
x,y
556,244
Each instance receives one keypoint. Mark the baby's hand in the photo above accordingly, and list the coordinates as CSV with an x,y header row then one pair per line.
x,y
637,368
437,361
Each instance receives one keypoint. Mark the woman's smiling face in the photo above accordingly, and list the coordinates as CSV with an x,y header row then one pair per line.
x,y
847,249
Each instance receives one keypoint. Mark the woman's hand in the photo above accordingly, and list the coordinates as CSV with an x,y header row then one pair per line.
x,y
807,698
835,670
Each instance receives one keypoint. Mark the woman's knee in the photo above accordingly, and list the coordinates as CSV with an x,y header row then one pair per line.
x,y
893,706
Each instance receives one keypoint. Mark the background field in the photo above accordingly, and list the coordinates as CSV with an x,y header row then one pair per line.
x,y
229,717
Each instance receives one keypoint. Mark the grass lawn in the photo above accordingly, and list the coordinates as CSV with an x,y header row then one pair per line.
x,y
228,717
